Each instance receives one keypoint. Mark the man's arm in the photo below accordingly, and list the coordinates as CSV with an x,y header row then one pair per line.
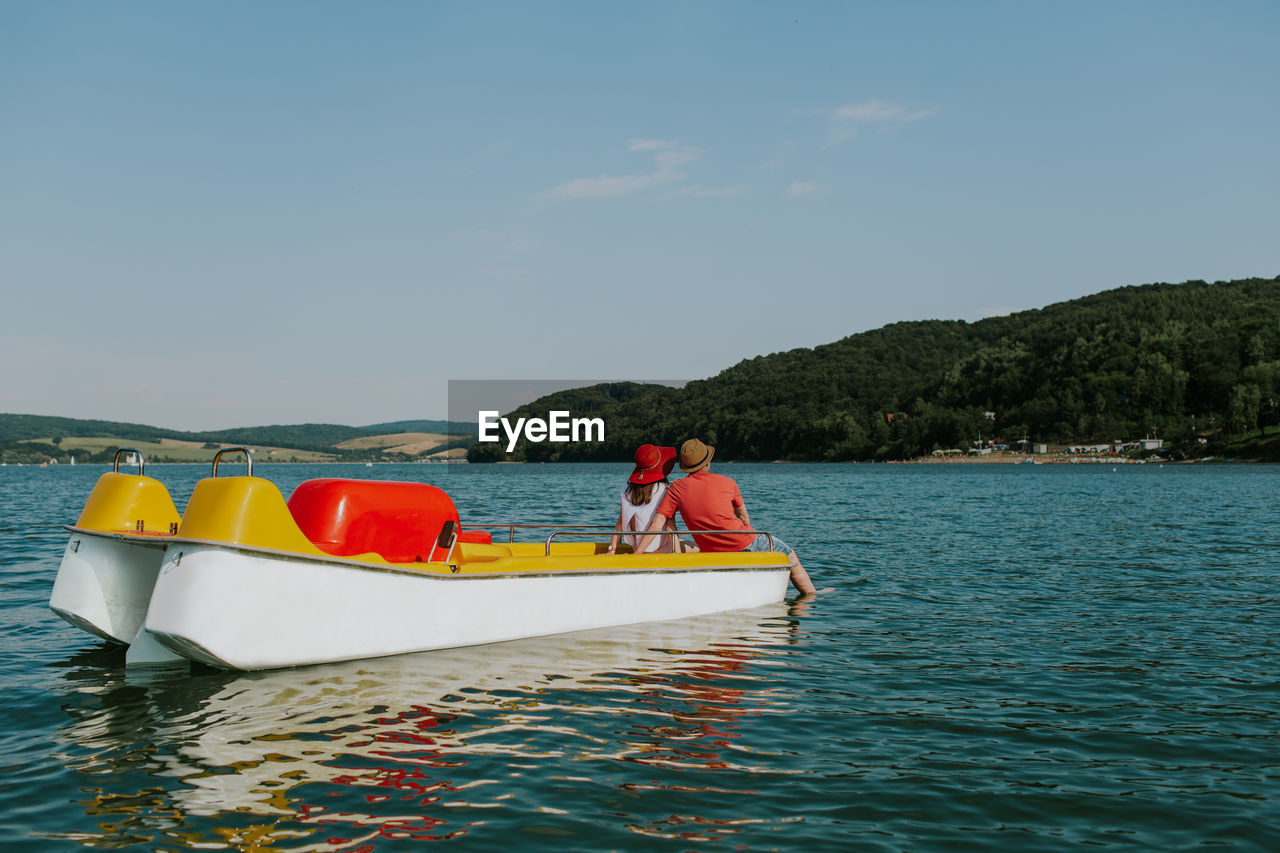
x,y
658,521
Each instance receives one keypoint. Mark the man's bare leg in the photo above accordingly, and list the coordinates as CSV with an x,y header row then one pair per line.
x,y
799,577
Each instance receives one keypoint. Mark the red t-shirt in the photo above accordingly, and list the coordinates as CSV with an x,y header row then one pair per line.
x,y
706,502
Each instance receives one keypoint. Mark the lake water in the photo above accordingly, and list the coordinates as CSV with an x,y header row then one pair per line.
x,y
1009,657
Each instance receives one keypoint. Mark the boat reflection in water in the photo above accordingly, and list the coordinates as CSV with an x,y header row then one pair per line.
x,y
479,740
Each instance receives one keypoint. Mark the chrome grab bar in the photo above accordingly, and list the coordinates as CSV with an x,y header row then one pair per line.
x,y
115,463
248,459
588,531
576,530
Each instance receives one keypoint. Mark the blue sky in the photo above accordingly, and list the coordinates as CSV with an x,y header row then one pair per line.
x,y
232,214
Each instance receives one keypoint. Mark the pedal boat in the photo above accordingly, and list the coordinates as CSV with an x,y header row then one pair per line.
x,y
114,554
351,569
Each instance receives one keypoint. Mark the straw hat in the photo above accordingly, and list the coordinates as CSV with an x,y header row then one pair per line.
x,y
694,455
652,464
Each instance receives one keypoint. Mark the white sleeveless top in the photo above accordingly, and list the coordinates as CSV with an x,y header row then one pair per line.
x,y
638,518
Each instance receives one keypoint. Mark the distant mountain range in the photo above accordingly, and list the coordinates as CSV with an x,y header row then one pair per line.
x,y
1195,364
38,438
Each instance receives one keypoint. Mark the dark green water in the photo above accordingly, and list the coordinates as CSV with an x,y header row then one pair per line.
x,y
1009,657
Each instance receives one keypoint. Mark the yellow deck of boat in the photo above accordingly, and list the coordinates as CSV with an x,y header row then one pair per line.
x,y
250,513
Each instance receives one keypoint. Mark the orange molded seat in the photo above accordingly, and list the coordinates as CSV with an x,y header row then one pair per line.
x,y
399,521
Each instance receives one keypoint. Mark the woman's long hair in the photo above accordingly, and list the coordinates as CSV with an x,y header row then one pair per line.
x,y
639,495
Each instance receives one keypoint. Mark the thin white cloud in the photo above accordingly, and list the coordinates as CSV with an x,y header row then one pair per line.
x,y
781,157
869,111
847,120
799,189
613,186
700,191
668,158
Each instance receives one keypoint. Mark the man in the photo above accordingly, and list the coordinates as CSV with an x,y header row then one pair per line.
x,y
709,501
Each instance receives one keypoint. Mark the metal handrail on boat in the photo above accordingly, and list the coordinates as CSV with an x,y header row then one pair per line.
x,y
115,463
586,530
248,459
593,532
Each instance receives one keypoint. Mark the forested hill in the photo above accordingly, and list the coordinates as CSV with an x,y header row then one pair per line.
x,y
1183,362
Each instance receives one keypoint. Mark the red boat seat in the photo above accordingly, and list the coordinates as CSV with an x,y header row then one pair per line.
x,y
399,521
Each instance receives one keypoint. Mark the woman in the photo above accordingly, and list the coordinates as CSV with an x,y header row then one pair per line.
x,y
644,489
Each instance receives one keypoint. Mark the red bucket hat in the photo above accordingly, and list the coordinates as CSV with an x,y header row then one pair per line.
x,y
652,464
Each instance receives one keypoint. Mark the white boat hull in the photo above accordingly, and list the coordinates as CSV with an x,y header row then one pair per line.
x,y
104,584
247,609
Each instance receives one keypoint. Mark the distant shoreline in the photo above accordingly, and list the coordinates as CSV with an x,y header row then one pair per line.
x,y
989,459
1065,459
